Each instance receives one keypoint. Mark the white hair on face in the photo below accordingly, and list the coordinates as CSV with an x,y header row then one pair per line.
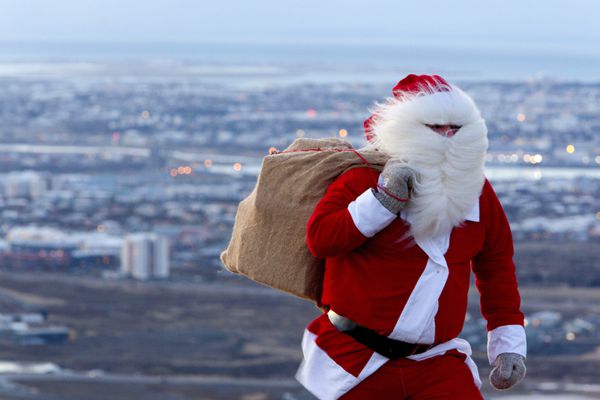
x,y
449,169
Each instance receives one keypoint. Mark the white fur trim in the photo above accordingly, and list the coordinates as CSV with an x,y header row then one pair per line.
x,y
506,339
323,377
458,344
416,323
369,215
449,169
473,213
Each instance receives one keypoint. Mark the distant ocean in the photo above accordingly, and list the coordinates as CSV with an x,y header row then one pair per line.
x,y
329,62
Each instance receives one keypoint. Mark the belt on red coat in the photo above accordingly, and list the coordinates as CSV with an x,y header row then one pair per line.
x,y
387,347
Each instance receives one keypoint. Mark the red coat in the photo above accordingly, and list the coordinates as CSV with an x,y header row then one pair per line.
x,y
416,292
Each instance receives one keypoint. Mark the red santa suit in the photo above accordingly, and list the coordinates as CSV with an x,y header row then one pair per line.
x,y
409,288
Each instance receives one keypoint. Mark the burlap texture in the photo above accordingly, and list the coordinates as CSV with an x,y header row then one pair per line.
x,y
268,240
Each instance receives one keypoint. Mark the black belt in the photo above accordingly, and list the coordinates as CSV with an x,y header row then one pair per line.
x,y
389,348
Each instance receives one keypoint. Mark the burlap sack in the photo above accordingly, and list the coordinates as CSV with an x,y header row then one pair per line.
x,y
268,239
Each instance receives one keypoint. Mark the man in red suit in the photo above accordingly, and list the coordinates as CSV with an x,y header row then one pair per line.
x,y
399,247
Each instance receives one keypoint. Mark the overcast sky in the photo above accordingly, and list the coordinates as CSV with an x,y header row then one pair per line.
x,y
512,22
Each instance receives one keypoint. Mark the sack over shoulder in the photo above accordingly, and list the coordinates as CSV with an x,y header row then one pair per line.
x,y
268,241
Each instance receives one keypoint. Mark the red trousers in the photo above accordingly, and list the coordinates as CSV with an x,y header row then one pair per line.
x,y
443,377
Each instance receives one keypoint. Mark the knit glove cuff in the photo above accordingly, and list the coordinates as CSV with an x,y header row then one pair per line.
x,y
388,202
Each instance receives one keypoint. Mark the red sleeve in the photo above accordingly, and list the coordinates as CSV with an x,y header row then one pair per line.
x,y
494,268
330,230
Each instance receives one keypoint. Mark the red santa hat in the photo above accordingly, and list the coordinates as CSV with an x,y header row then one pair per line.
x,y
412,85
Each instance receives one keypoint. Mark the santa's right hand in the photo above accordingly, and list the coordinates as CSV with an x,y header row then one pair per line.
x,y
396,185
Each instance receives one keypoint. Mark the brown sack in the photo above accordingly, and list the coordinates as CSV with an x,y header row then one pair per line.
x,y
268,239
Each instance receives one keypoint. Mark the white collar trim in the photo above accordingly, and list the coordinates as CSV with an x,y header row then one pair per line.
x,y
473,213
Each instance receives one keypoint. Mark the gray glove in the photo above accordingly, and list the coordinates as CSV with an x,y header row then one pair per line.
x,y
398,180
509,369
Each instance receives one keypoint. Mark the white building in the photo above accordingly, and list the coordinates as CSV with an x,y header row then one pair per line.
x,y
24,184
145,255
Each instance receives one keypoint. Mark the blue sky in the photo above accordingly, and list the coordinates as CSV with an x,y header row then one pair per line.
x,y
462,22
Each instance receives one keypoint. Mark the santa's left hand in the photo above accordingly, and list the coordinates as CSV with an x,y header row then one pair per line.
x,y
509,369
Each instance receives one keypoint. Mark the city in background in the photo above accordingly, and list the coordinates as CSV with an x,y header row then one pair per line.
x,y
121,167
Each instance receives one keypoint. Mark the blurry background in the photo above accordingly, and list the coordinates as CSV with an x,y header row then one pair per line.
x,y
130,130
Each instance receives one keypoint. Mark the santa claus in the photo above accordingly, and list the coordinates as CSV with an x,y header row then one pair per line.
x,y
398,257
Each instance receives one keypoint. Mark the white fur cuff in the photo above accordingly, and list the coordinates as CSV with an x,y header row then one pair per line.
x,y
506,339
369,215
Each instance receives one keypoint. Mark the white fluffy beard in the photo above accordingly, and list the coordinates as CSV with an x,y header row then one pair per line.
x,y
449,169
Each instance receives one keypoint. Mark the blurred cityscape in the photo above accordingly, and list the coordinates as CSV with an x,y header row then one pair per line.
x,y
119,187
